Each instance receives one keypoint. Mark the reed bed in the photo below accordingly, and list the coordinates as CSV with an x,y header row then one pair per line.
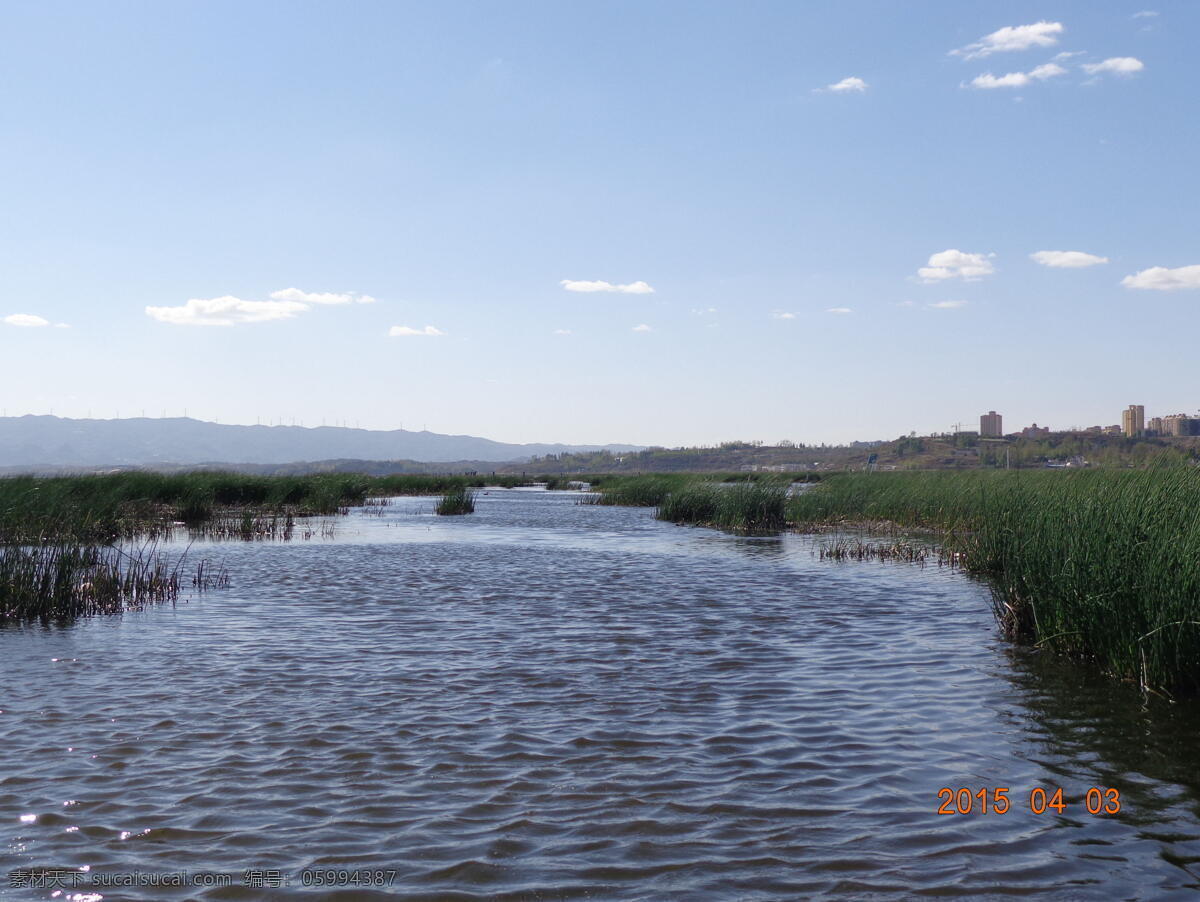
x,y
1100,565
649,490
746,508
845,549
123,505
59,582
458,500
251,526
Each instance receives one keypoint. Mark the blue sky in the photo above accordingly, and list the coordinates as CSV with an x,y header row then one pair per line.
x,y
384,214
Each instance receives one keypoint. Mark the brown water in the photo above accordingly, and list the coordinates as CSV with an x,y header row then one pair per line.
x,y
553,701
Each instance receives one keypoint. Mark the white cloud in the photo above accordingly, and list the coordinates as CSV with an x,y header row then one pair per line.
x,y
1068,54
308,297
27,320
1159,278
1018,79
782,314
947,305
955,264
1144,14
642,327
853,84
1012,37
703,311
231,311
1117,65
225,311
1066,259
562,331
398,331
839,310
585,286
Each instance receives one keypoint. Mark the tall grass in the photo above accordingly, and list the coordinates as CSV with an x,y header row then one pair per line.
x,y
103,508
457,500
743,508
652,489
57,582
639,491
1102,565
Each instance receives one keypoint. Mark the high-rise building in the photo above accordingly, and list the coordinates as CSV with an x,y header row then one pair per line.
x,y
1180,424
991,425
1155,426
1133,420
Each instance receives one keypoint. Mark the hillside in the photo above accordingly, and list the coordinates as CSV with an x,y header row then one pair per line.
x,y
47,441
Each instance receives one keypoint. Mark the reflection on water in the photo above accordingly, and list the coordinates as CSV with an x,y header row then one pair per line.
x,y
547,700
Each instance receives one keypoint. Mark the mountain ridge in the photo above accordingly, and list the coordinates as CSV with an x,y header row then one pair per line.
x,y
50,441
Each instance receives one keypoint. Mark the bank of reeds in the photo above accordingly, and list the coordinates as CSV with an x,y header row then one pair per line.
x,y
1101,565
651,489
846,549
58,582
458,500
638,491
107,507
748,508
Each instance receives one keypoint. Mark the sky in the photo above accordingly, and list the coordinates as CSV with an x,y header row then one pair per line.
x,y
661,223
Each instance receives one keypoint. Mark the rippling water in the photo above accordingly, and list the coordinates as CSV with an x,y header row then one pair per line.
x,y
553,701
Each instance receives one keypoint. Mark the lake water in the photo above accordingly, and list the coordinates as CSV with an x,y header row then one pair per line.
x,y
548,700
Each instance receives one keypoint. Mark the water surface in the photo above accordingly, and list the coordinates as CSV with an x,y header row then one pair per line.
x,y
546,700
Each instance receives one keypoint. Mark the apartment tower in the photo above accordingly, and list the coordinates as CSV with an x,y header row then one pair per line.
x,y
991,425
1133,420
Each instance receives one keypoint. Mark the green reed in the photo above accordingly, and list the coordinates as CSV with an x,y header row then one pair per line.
x,y
639,491
106,507
749,507
1101,565
58,582
457,500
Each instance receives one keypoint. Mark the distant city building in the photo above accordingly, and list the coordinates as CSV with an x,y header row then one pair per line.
x,y
1155,426
1112,430
1180,424
991,425
1035,431
1133,420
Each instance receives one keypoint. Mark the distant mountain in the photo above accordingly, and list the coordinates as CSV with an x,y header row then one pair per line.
x,y
33,441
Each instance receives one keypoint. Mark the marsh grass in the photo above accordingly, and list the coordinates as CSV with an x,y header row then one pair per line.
x,y
847,549
1100,565
59,582
107,507
457,500
745,508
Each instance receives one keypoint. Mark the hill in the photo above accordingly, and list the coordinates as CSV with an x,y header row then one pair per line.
x,y
48,441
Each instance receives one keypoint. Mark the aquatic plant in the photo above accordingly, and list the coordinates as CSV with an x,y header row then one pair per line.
x,y
847,549
646,490
102,508
458,500
55,582
1100,565
749,507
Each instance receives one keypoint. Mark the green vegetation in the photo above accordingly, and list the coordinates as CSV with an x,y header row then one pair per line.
x,y
103,508
60,581
747,507
457,500
1100,565
652,489
638,491
58,560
